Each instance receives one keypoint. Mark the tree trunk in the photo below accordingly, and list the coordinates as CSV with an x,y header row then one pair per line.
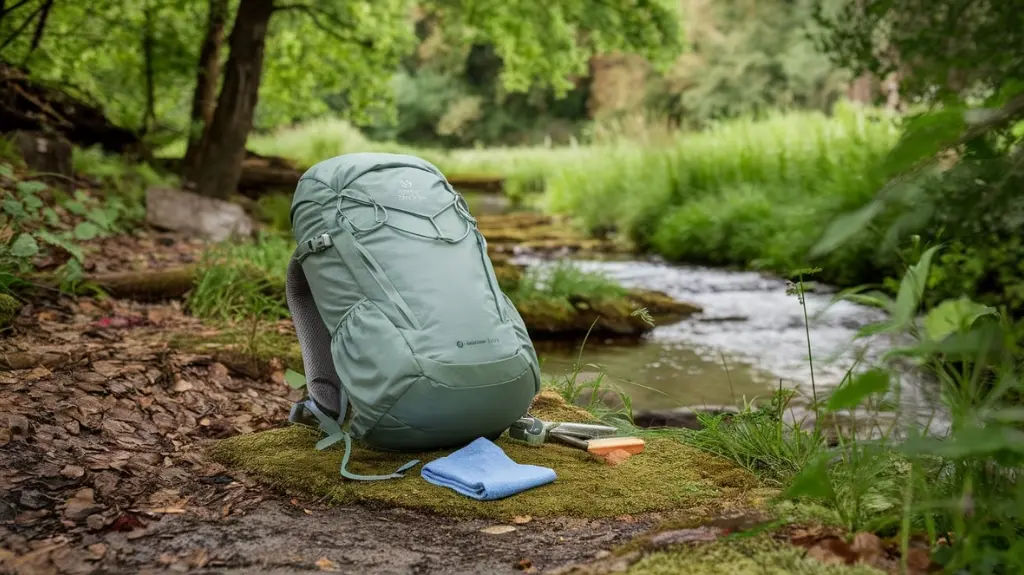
x,y
219,162
204,99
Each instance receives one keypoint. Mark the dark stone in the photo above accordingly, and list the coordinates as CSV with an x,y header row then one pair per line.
x,y
682,417
47,154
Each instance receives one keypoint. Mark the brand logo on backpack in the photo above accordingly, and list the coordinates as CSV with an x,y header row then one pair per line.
x,y
407,192
491,340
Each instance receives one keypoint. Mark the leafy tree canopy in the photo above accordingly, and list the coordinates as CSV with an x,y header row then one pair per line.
x,y
315,48
941,48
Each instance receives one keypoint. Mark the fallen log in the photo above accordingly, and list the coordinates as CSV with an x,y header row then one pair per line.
x,y
267,174
29,105
143,285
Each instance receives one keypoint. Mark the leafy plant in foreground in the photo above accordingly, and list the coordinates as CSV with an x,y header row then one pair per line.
x,y
958,486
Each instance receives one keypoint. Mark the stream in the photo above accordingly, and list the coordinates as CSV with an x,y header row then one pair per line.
x,y
749,340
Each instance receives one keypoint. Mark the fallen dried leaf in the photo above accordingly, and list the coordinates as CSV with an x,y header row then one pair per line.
x,y
167,510
127,522
498,529
867,547
81,505
72,471
832,551
702,534
521,519
918,560
325,564
97,550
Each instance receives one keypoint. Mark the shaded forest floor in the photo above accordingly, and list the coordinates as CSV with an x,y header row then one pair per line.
x,y
105,422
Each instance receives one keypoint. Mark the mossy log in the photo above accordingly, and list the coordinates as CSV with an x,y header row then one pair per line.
x,y
606,317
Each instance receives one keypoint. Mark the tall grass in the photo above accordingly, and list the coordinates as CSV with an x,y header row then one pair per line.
x,y
958,491
523,168
740,193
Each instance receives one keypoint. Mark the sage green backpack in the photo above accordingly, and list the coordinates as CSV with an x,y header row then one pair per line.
x,y
398,311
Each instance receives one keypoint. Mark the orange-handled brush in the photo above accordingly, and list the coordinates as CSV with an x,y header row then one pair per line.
x,y
604,446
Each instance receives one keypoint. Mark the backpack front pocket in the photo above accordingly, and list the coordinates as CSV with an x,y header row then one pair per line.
x,y
374,363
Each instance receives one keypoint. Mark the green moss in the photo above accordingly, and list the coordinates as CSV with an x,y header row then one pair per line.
x,y
760,555
9,308
667,476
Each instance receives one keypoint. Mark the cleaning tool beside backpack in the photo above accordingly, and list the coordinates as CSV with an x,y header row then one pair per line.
x,y
398,311
481,470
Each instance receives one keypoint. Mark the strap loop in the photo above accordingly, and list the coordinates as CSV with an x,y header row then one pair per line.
x,y
335,434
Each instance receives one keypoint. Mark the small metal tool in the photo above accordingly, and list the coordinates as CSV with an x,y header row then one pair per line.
x,y
535,431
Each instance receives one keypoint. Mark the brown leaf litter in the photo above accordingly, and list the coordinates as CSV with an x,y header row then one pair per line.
x,y
101,425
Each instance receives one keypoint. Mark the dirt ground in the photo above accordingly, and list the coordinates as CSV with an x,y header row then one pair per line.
x,y
101,470
102,425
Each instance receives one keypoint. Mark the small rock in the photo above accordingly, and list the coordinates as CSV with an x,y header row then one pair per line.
x,y
522,519
81,505
32,499
182,385
72,471
97,550
209,218
18,424
95,521
683,417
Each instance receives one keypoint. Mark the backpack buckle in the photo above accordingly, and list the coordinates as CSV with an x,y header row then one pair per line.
x,y
320,243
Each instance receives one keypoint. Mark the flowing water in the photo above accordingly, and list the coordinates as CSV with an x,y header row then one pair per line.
x,y
749,340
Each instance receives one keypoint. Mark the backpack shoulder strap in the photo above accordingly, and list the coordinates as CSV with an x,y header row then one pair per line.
x,y
365,269
322,380
335,433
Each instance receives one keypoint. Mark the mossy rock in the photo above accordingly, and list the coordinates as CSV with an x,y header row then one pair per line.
x,y
9,308
662,306
667,476
550,318
761,555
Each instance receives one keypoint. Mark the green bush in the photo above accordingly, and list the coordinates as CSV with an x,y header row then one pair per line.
x,y
742,193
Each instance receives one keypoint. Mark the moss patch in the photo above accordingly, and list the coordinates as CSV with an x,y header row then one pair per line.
x,y
667,476
760,555
9,308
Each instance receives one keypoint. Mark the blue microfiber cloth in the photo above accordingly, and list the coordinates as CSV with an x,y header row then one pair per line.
x,y
481,470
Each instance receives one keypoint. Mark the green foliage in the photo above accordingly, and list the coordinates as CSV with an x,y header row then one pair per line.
x,y
962,483
740,193
941,47
243,281
746,58
38,221
565,281
139,60
759,439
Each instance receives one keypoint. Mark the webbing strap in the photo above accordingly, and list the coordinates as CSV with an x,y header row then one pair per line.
x,y
369,274
482,243
311,246
334,434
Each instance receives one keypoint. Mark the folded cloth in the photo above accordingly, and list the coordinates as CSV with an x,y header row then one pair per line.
x,y
481,470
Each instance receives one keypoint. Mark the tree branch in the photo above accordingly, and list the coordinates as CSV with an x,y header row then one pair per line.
x,y
21,28
315,14
4,10
37,36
